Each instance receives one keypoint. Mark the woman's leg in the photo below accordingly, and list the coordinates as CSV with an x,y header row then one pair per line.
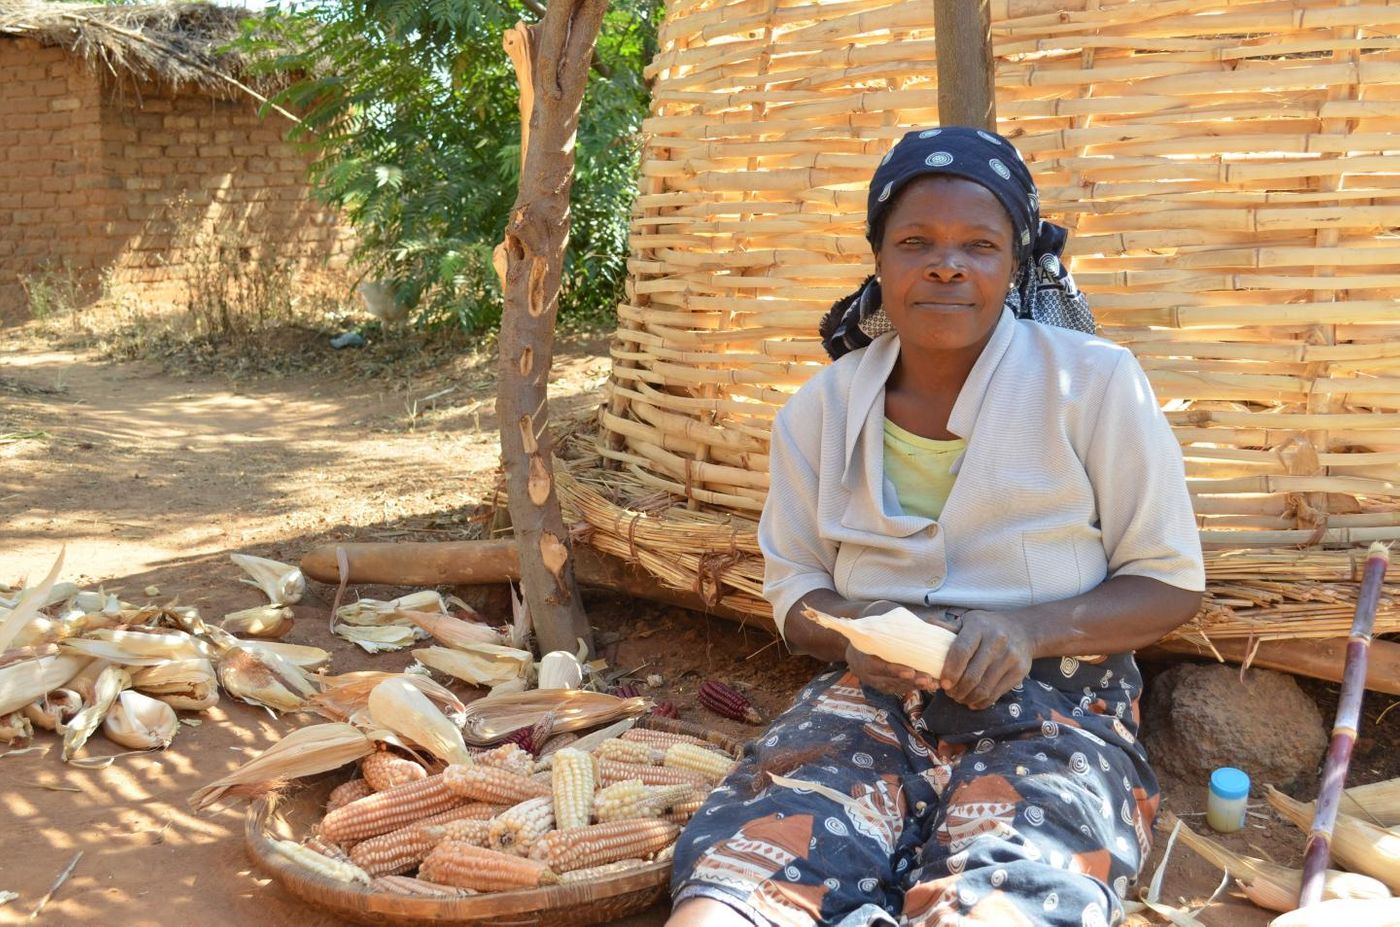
x,y
1047,814
827,848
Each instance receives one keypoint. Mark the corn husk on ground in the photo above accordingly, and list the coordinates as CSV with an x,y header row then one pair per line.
x,y
1358,845
1268,884
75,661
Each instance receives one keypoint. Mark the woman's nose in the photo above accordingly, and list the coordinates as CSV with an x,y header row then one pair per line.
x,y
944,265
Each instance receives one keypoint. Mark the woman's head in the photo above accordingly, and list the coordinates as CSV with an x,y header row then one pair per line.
x,y
945,260
958,177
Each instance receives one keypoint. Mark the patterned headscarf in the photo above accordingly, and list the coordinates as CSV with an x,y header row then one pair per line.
x,y
1043,290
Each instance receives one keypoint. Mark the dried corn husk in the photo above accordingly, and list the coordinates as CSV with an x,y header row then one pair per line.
x,y
401,707
492,718
1268,884
478,664
343,696
16,729
453,632
300,655
111,682
27,607
26,681
139,722
304,752
282,583
259,621
55,708
1343,912
189,685
378,612
138,646
259,677
379,638
898,636
1358,845
1378,802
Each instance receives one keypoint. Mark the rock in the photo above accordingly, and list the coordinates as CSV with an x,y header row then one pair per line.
x,y
1200,717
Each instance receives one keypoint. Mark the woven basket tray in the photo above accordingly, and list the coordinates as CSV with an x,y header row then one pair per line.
x,y
578,905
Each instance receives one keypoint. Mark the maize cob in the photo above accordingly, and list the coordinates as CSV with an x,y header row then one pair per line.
x,y
389,810
545,775
572,782
516,830
666,710
416,888
625,691
508,756
683,810
898,636
347,792
483,783
630,751
663,739
600,872
308,858
384,770
559,669
728,702
477,833
630,799
401,849
465,866
611,772
585,847
708,763
327,849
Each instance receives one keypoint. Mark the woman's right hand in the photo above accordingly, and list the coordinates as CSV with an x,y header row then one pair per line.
x,y
883,676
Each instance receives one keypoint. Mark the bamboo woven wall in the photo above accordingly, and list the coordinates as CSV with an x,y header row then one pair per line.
x,y
1227,169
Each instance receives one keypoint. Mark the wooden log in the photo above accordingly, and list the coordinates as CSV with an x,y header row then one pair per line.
x,y
1319,659
560,47
966,79
475,563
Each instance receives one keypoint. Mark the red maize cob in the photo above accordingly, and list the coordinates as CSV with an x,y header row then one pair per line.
x,y
666,710
532,738
625,691
723,700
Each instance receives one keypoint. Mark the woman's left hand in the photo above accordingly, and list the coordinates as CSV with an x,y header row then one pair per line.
x,y
992,653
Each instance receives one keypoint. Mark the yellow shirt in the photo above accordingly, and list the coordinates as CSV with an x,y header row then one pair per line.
x,y
920,469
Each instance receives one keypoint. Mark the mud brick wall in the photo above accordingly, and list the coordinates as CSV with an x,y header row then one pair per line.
x,y
137,188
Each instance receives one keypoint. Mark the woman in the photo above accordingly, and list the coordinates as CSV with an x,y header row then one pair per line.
x,y
1010,480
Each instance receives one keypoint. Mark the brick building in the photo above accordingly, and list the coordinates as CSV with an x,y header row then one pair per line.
x,y
129,157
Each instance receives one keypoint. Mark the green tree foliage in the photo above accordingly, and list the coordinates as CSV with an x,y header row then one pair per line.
x,y
411,108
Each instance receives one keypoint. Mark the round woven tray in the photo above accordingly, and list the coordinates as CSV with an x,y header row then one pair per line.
x,y
576,905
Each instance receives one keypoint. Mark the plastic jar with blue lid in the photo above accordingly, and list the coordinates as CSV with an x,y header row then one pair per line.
x,y
1229,797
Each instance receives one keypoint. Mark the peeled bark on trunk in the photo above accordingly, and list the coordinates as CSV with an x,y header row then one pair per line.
x,y
560,46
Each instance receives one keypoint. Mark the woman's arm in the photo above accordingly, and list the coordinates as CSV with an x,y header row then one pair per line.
x,y
994,650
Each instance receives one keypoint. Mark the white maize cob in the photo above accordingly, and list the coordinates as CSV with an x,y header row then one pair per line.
x,y
572,783
517,829
630,799
708,763
308,858
629,751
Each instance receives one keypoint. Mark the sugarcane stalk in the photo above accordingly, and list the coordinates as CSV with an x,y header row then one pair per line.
x,y
1318,850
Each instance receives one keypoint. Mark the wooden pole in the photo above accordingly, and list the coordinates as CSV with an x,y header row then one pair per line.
x,y
962,39
560,47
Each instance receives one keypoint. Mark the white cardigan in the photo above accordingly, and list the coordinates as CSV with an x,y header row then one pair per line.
x,y
1071,475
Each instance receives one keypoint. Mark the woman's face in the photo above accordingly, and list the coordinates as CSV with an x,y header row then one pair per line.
x,y
945,263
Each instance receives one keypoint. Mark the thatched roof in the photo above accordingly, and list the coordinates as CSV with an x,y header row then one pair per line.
x,y
172,43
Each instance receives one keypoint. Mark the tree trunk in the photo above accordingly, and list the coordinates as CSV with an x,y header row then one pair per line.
x,y
962,36
561,46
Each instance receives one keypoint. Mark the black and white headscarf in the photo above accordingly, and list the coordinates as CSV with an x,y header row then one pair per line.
x,y
1043,290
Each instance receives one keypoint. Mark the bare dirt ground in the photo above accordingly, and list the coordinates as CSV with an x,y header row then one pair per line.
x,y
149,478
